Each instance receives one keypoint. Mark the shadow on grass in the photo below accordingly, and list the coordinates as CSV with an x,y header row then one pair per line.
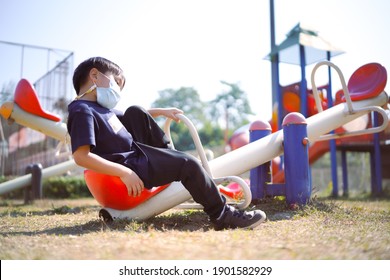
x,y
183,221
278,210
177,220
91,226
19,211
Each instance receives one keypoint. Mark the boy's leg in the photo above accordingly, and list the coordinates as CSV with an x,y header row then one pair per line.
x,y
164,166
143,127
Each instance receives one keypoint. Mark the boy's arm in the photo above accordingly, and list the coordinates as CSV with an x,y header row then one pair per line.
x,y
83,157
166,112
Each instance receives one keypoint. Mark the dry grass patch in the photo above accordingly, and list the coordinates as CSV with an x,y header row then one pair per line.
x,y
71,229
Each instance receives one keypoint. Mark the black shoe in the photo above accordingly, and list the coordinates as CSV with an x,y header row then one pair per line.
x,y
233,218
105,216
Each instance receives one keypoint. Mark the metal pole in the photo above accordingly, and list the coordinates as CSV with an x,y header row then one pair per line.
x,y
344,166
276,92
303,87
377,187
332,143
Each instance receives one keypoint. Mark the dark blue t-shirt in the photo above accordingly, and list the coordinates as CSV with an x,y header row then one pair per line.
x,y
100,128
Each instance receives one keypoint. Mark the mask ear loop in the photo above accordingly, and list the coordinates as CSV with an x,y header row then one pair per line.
x,y
88,91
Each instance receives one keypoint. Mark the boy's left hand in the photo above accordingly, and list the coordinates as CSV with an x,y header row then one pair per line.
x,y
172,112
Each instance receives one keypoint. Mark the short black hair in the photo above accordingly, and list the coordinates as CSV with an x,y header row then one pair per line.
x,y
102,64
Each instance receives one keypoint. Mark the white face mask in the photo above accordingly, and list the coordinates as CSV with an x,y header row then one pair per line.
x,y
106,97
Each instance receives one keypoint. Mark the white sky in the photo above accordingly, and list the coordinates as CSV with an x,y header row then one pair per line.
x,y
194,43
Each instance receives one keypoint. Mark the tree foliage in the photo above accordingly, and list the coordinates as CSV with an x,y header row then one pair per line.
x,y
230,108
186,99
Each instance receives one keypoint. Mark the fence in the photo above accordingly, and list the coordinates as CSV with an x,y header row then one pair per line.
x,y
21,146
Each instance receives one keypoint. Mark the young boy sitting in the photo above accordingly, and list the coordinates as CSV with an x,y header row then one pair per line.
x,y
132,146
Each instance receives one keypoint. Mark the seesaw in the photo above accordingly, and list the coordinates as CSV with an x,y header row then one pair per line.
x,y
109,191
230,165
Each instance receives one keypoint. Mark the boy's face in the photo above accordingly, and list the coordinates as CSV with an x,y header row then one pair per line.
x,y
103,80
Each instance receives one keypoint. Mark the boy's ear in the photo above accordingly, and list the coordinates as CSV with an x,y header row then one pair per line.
x,y
93,73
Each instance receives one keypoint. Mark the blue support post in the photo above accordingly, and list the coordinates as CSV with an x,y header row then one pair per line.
x,y
344,167
260,176
377,174
296,159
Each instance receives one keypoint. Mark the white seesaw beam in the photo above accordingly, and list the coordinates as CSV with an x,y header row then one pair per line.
x,y
25,180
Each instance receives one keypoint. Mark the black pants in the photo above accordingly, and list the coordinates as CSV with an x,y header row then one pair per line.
x,y
165,165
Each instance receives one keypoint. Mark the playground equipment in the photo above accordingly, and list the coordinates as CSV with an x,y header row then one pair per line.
x,y
304,46
225,167
368,81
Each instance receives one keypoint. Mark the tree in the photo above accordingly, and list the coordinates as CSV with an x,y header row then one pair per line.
x,y
188,100
211,135
231,107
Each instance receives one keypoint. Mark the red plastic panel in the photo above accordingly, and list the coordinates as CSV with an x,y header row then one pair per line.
x,y
367,82
27,99
233,190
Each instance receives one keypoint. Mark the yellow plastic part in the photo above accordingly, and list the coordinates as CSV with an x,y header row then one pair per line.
x,y
6,109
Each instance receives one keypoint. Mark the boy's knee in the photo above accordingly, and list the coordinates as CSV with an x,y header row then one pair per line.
x,y
193,165
135,110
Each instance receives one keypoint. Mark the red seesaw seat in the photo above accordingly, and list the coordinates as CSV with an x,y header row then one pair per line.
x,y
111,192
366,82
232,190
26,98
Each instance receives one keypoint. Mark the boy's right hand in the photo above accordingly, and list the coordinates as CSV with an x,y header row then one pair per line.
x,y
88,160
133,183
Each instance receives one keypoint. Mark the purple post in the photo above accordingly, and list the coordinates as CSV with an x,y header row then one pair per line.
x,y
296,159
261,175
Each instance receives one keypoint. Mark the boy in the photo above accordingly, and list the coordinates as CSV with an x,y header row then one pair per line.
x,y
132,146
